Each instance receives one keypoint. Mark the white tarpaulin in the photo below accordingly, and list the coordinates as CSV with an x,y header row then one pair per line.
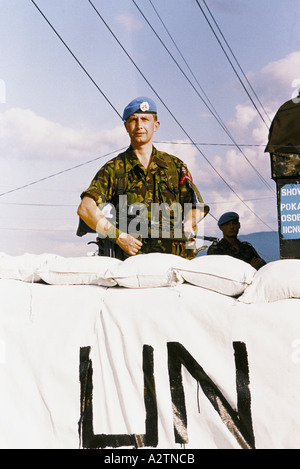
x,y
156,352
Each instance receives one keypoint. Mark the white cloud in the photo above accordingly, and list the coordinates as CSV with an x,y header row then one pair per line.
x,y
130,22
245,114
184,150
275,83
285,70
2,92
24,134
278,81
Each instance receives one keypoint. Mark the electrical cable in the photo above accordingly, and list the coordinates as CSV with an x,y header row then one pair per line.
x,y
59,172
37,205
30,204
75,58
237,62
208,144
213,112
37,229
234,69
73,55
185,132
183,58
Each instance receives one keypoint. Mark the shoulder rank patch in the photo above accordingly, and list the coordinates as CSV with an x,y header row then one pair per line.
x,y
185,177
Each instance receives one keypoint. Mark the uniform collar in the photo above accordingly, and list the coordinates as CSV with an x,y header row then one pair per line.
x,y
131,159
227,244
157,159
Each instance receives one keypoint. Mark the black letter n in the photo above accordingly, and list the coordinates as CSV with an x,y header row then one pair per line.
x,y
238,422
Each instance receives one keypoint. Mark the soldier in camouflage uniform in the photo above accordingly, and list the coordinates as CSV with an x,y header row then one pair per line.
x,y
144,176
230,245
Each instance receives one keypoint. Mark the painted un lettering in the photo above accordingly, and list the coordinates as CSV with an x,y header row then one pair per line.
x,y
238,422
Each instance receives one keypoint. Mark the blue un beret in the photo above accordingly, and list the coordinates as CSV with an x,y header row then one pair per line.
x,y
141,104
228,216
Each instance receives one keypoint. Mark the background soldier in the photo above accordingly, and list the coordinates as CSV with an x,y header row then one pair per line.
x,y
230,245
146,176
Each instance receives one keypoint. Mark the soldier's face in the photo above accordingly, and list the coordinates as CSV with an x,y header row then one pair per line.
x,y
141,128
231,228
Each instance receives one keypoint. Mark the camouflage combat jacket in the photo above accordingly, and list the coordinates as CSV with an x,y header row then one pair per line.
x,y
165,181
245,251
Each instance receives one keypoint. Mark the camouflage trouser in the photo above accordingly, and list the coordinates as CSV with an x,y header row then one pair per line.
x,y
165,246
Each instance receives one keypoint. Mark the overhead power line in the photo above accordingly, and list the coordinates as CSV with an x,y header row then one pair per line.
x,y
209,144
37,205
29,204
237,62
176,120
209,106
59,172
75,58
232,65
38,229
83,68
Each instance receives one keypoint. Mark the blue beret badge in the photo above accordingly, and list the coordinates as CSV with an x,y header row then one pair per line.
x,y
226,217
141,104
144,107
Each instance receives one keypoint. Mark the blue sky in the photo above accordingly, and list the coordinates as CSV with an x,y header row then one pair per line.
x,y
60,118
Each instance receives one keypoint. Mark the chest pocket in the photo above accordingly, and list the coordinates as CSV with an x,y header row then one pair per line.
x,y
121,176
168,185
126,184
166,181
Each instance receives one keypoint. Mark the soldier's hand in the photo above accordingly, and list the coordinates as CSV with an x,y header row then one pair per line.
x,y
129,244
189,230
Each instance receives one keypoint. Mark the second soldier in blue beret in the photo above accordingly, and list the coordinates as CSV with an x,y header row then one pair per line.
x,y
230,245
